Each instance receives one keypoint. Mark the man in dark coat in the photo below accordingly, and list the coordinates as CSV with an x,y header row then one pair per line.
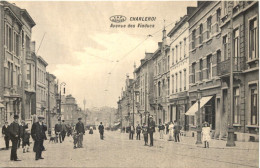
x,y
5,132
80,131
38,135
138,131
58,129
22,131
101,131
63,130
151,129
14,131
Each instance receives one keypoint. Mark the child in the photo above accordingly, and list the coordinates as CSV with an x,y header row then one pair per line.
x,y
75,138
26,140
145,133
53,135
206,134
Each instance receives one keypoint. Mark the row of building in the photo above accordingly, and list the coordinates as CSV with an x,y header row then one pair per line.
x,y
26,88
193,62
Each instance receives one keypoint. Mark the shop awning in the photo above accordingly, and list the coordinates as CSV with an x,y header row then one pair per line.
x,y
116,124
1,105
194,108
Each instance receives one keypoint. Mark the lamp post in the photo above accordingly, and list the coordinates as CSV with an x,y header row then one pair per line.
x,y
62,84
199,119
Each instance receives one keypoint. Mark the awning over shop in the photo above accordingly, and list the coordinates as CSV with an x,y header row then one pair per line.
x,y
1,105
116,124
194,108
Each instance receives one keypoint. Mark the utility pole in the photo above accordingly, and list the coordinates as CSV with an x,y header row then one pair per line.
x,y
230,139
84,102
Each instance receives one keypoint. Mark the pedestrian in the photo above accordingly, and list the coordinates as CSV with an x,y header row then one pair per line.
x,y
91,130
22,131
167,128
161,130
145,133
5,132
151,129
63,130
80,131
38,135
75,138
138,132
58,129
14,130
171,131
177,129
206,134
101,131
131,132
26,140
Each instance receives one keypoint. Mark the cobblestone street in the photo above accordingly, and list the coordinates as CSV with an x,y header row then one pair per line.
x,y
117,151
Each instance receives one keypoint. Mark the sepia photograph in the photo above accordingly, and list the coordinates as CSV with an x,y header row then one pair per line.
x,y
129,84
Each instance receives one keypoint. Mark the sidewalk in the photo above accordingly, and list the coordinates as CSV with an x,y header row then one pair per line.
x,y
218,144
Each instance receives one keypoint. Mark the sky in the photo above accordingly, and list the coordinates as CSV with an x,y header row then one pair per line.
x,y
92,58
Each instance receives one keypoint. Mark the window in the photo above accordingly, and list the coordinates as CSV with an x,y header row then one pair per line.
x,y
218,19
225,7
236,105
254,104
236,45
193,39
172,83
176,82
209,66
176,53
184,47
8,38
168,85
180,80
253,40
184,79
29,74
208,27
193,72
201,34
225,47
168,63
172,56
180,50
218,56
159,88
201,68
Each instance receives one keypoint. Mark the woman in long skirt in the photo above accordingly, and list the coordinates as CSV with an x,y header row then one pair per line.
x,y
171,131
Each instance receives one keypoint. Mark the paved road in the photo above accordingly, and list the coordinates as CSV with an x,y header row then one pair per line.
x,y
117,151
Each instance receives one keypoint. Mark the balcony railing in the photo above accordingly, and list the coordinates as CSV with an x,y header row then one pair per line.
x,y
224,66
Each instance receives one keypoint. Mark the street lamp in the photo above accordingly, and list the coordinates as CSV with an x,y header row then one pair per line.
x,y
199,119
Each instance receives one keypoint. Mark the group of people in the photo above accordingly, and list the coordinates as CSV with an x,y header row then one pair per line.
x,y
173,129
145,129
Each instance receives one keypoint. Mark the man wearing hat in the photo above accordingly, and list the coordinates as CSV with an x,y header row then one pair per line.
x,y
38,135
5,132
151,129
14,130
80,131
58,129
63,130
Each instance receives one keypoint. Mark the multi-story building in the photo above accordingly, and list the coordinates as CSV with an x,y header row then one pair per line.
x,y
41,87
204,49
30,84
239,27
70,111
179,70
52,91
161,61
143,86
16,25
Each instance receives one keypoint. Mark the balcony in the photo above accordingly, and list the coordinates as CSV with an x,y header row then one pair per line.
x,y
223,68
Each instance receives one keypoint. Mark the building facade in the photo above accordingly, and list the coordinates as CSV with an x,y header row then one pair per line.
x,y
143,76
179,71
41,88
70,111
161,60
16,25
239,27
